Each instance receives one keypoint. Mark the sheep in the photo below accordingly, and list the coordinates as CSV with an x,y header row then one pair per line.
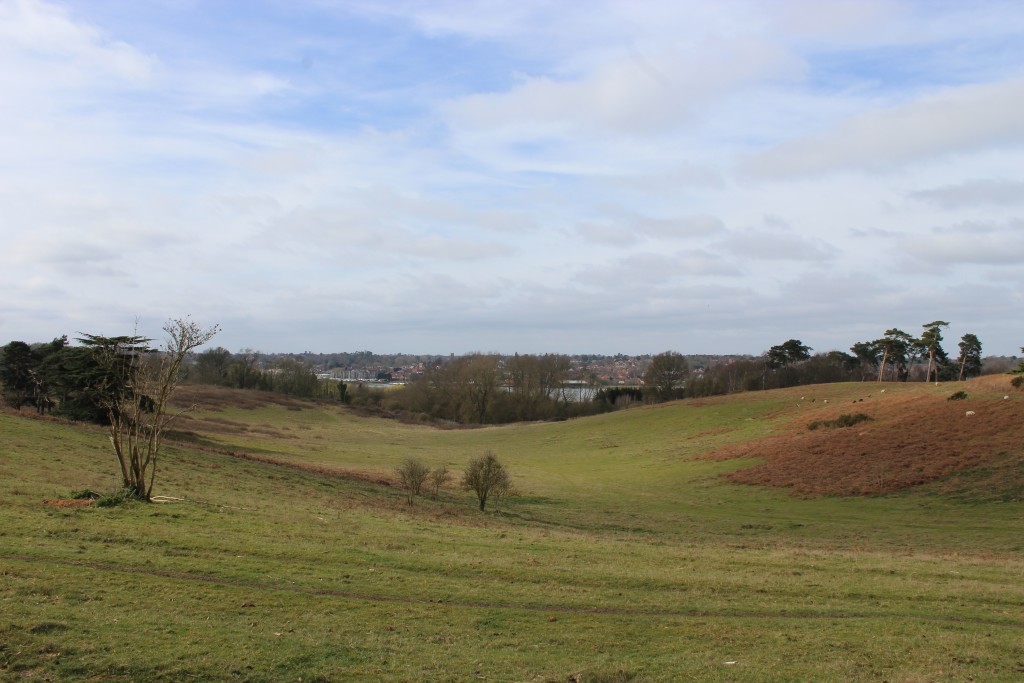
x,y
1006,398
883,391
970,413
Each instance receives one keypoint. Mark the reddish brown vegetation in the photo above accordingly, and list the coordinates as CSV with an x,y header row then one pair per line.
x,y
68,503
913,439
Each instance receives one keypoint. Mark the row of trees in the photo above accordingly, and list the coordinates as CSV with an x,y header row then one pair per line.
x,y
895,356
490,389
245,370
57,378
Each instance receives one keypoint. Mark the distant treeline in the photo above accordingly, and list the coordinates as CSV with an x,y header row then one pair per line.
x,y
72,382
252,370
491,388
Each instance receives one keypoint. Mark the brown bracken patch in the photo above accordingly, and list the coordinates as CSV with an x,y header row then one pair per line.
x,y
68,503
912,439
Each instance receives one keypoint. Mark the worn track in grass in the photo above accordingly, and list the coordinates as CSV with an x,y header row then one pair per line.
x,y
473,604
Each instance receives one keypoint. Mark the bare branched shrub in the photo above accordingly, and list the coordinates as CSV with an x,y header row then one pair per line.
x,y
412,474
486,476
439,476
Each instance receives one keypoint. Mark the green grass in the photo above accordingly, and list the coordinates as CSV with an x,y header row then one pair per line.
x,y
623,558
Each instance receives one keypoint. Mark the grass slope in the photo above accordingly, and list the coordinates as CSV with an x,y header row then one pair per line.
x,y
627,556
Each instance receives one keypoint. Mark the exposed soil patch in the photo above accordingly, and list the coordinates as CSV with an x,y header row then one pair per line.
x,y
912,439
68,503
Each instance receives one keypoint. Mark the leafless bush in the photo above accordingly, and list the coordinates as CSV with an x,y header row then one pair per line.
x,y
412,474
439,476
486,476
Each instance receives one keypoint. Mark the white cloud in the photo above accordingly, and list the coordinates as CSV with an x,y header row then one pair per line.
x,y
970,243
631,95
620,226
973,193
775,245
955,120
43,46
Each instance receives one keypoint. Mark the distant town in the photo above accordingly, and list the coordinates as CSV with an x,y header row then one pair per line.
x,y
589,369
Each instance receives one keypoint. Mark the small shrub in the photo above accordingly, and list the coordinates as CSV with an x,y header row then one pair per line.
x,y
486,476
1017,381
958,396
845,420
117,498
850,420
439,476
411,475
84,494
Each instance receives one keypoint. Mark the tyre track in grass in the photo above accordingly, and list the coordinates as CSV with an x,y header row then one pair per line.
x,y
475,604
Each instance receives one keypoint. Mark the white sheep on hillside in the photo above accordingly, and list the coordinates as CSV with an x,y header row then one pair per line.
x,y
970,413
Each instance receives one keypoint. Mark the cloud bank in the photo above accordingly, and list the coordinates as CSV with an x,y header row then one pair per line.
x,y
513,176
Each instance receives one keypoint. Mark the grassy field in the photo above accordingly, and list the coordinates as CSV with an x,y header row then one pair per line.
x,y
625,555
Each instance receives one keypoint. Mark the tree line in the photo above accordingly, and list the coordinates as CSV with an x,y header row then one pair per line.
x,y
896,356
490,388
71,381
247,370
484,389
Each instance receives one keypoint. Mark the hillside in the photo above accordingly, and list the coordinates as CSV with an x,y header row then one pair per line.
x,y
915,436
630,552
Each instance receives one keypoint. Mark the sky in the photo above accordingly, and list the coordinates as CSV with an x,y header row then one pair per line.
x,y
451,176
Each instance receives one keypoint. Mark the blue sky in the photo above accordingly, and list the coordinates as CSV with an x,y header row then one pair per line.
x,y
436,177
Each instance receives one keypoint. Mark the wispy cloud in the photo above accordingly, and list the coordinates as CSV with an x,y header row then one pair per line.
x,y
973,193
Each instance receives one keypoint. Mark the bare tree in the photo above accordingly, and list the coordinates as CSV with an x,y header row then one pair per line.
x,y
486,476
439,476
534,380
666,374
136,389
412,474
480,379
